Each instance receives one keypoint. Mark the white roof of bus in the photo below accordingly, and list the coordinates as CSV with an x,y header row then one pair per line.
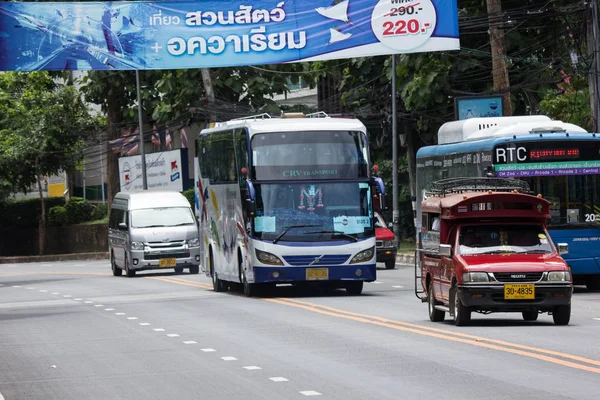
x,y
481,128
291,125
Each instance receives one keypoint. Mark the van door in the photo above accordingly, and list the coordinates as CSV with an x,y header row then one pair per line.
x,y
117,238
447,267
431,259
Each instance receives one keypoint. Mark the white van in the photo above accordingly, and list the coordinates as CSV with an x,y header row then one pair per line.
x,y
152,230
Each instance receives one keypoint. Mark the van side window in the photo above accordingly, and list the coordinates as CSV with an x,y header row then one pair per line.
x,y
424,224
116,217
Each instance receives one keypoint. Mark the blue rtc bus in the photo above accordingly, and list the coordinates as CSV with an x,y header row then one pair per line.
x,y
286,200
559,161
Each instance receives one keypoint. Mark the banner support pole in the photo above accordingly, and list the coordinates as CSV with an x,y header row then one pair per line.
x,y
141,129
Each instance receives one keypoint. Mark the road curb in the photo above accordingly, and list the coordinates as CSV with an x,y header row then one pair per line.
x,y
405,259
54,257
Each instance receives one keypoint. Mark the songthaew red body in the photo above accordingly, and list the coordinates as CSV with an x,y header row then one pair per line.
x,y
484,247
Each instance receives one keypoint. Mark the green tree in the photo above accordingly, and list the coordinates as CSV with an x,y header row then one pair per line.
x,y
41,125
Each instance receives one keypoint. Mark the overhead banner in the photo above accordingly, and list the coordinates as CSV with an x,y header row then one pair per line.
x,y
208,33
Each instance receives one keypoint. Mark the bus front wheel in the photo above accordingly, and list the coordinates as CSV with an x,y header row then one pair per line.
x,y
354,288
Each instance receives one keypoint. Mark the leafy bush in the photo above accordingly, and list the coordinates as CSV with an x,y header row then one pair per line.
x,y
58,216
189,194
99,212
78,210
26,213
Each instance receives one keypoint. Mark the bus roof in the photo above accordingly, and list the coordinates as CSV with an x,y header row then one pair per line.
x,y
489,143
479,128
269,125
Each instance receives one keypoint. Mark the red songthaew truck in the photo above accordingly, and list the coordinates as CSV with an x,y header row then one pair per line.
x,y
484,247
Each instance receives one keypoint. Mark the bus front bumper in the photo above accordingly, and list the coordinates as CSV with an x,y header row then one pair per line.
x,y
286,274
491,298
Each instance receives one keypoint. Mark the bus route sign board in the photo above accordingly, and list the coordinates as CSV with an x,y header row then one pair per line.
x,y
127,35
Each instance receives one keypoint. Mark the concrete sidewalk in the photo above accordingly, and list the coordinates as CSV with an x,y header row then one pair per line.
x,y
400,258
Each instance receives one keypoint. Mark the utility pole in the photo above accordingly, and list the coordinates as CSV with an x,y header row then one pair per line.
x,y
210,94
141,129
395,211
594,75
499,69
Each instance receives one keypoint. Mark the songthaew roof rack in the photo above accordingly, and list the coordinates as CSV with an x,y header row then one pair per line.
x,y
460,185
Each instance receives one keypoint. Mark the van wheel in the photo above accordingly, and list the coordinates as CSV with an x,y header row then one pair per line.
x,y
434,314
562,314
130,272
530,315
113,265
462,315
354,288
178,270
218,285
195,270
390,264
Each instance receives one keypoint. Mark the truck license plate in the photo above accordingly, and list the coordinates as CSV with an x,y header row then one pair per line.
x,y
167,262
522,291
314,274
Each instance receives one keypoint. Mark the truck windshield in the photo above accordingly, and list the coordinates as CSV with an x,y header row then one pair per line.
x,y
313,212
496,239
160,217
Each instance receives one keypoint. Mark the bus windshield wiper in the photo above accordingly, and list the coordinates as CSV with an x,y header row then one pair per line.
x,y
288,228
336,233
535,252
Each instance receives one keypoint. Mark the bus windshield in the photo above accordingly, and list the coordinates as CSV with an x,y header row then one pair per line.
x,y
499,239
309,155
321,212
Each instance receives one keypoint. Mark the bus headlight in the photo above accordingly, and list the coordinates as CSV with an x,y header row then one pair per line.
x,y
363,256
559,276
195,242
268,258
475,277
137,246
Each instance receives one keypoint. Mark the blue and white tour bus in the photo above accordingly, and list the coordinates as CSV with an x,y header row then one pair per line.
x,y
287,200
559,161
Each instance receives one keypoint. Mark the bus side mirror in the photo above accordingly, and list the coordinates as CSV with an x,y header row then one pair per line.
x,y
563,248
378,183
445,250
250,204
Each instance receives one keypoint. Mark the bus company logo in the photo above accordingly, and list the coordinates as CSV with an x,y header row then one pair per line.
x,y
174,171
126,175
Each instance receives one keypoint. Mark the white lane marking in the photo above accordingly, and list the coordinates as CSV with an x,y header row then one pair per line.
x,y
119,313
189,342
47,265
144,323
252,367
132,318
56,293
377,282
98,305
41,291
228,358
109,309
279,379
158,330
207,350
397,286
86,302
597,319
172,335
78,299
16,286
30,288
310,393
67,296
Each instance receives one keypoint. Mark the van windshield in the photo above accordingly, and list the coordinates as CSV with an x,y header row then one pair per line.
x,y
498,239
159,217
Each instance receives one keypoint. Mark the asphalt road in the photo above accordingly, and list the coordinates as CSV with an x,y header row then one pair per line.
x,y
70,330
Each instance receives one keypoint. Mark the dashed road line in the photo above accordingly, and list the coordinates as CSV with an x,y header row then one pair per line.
x,y
132,318
30,288
43,291
88,302
189,342
17,286
66,296
398,286
98,305
119,313
158,330
109,309
207,350
228,358
78,299
55,293
172,335
279,379
252,367
310,393
597,319
144,323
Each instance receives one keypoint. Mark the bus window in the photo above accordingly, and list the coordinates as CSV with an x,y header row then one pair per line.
x,y
435,224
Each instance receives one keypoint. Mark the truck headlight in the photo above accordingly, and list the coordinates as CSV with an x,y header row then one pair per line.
x,y
195,242
137,246
363,256
388,243
559,276
268,258
475,277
